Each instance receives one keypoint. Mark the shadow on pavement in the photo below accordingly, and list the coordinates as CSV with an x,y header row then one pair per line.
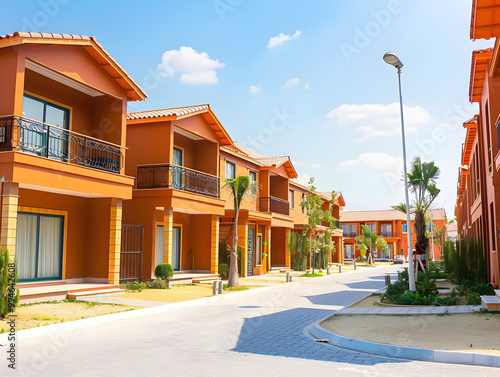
x,y
342,298
280,334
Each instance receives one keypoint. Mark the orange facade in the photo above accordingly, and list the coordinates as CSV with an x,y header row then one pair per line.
x,y
181,158
478,196
62,156
391,225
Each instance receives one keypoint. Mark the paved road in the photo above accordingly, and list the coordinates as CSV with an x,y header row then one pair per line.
x,y
252,334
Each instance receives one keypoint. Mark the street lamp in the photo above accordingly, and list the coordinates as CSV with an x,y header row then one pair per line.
x,y
392,59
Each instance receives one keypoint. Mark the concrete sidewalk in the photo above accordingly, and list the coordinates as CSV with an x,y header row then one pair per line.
x,y
412,310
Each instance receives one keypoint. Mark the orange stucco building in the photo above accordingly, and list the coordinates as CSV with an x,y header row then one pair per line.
x,y
478,193
181,158
62,156
391,225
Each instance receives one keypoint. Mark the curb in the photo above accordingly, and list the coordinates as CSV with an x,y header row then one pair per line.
x,y
400,352
71,326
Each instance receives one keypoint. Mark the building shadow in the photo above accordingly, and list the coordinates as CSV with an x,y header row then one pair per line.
x,y
280,334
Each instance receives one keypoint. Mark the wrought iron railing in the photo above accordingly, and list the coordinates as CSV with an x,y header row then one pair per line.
x,y
272,204
385,234
177,177
350,234
40,139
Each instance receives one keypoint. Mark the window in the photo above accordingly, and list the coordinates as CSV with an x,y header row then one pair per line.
x,y
38,139
344,227
291,198
405,228
230,170
386,230
349,230
429,228
253,181
258,255
371,227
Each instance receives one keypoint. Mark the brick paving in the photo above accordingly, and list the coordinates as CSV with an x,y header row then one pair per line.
x,y
256,334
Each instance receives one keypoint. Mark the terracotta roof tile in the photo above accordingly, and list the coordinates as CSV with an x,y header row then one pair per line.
x,y
130,85
387,215
175,111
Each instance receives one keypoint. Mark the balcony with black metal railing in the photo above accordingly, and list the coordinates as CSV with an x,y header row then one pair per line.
x,y
272,204
55,143
178,178
350,234
386,234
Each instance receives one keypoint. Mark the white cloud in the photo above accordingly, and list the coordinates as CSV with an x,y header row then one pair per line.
x,y
304,179
375,160
194,67
255,88
306,86
313,166
281,39
292,82
373,120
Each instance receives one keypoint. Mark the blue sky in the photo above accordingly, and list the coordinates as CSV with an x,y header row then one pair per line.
x,y
295,77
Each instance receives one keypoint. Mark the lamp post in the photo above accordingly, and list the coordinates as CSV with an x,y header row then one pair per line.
x,y
392,59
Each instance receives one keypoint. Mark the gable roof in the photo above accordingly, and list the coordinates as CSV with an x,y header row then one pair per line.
x,y
176,113
387,215
268,163
90,45
479,66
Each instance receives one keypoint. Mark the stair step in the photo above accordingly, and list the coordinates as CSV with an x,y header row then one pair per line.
x,y
40,284
81,295
206,280
490,302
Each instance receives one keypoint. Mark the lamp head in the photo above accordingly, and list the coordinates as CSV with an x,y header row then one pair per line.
x,y
392,59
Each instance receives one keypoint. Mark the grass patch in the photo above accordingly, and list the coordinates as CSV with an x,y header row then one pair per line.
x,y
240,288
309,275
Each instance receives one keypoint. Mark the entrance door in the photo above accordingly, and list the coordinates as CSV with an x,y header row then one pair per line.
x,y
177,171
39,246
250,252
176,248
159,244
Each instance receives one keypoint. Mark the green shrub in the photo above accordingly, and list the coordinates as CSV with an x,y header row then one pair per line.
x,y
133,286
467,287
224,271
427,287
164,271
298,244
414,298
438,275
157,284
9,294
473,298
435,266
396,289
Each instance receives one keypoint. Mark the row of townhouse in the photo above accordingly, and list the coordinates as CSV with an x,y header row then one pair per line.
x,y
391,225
478,193
91,193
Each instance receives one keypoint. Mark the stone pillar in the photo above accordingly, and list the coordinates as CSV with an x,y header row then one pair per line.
x,y
168,219
115,239
243,244
214,245
10,199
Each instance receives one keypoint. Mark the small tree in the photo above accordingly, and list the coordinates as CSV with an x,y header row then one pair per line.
x,y
298,244
9,295
367,241
312,207
239,188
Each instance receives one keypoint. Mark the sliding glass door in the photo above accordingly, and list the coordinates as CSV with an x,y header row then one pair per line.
x,y
39,246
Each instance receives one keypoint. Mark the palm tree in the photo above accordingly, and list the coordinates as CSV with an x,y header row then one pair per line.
x,y
239,188
422,181
367,240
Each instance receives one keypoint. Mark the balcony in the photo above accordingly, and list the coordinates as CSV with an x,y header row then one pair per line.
x,y
178,178
385,234
40,139
352,234
272,204
327,225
